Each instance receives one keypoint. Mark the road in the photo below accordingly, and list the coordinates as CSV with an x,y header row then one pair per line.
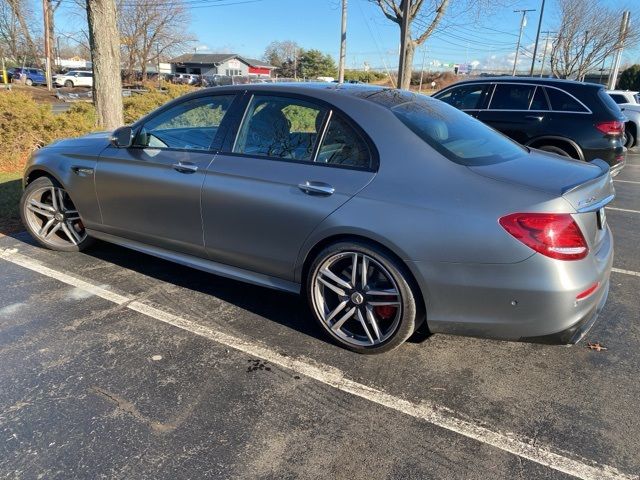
x,y
119,365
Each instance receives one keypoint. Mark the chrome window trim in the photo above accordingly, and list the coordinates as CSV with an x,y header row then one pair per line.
x,y
551,110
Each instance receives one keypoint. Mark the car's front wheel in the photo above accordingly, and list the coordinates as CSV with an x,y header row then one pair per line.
x,y
68,84
362,297
51,217
28,82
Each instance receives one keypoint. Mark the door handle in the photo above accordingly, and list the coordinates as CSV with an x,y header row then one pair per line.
x,y
539,118
82,171
185,167
316,188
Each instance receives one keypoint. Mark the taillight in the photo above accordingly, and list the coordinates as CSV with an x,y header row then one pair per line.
x,y
611,128
555,235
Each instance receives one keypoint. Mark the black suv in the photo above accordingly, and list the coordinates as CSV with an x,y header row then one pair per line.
x,y
569,118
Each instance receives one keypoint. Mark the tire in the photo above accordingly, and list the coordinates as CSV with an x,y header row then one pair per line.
x,y
68,84
554,149
629,139
348,315
50,217
28,82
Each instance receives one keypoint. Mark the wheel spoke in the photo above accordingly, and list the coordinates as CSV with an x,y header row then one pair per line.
x,y
329,279
383,304
336,326
60,199
40,208
354,269
390,292
364,327
45,228
374,323
72,215
54,199
53,230
364,271
336,311
71,233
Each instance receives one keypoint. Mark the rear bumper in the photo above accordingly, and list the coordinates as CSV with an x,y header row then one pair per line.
x,y
533,300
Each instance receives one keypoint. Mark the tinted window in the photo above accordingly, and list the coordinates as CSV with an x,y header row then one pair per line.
x,y
465,97
539,101
189,125
280,127
618,98
454,134
563,102
512,97
342,145
86,74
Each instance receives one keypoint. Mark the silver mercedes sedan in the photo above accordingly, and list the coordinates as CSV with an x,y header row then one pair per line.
x,y
389,210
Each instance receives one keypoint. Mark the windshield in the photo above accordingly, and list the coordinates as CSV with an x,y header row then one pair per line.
x,y
454,134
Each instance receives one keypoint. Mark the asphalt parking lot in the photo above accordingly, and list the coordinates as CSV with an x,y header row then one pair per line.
x,y
114,364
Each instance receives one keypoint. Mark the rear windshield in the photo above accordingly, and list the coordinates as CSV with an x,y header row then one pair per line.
x,y
454,134
611,105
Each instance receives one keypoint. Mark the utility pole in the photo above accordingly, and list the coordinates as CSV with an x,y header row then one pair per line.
x,y
343,43
624,27
47,42
523,23
404,42
584,49
158,63
535,48
544,54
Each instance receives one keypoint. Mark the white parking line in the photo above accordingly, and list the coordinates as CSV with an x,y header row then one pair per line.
x,y
626,272
622,209
626,181
443,417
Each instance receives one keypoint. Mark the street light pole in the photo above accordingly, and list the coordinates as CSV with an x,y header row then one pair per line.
x,y
523,22
535,48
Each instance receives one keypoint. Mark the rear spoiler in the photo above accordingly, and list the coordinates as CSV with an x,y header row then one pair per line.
x,y
604,170
594,194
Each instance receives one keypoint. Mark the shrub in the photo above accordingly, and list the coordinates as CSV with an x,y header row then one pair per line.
x,y
139,105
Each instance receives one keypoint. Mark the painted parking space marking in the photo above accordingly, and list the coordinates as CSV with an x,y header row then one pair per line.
x,y
626,272
616,209
437,415
626,181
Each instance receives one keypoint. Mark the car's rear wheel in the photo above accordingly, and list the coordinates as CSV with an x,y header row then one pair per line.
x,y
362,297
51,217
28,82
554,149
68,84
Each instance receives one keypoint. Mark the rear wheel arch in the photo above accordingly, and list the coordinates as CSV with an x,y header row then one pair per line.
x,y
566,144
632,128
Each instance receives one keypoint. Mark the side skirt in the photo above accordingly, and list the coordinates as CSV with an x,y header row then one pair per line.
x,y
200,263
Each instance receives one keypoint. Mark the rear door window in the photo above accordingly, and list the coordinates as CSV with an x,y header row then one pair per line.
x,y
512,96
563,102
465,97
343,146
280,127
539,101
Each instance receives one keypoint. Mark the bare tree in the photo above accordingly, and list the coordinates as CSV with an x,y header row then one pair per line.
x,y
104,40
16,39
425,18
152,29
283,55
588,34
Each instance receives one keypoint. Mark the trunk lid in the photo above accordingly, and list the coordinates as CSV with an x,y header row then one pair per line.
x,y
587,187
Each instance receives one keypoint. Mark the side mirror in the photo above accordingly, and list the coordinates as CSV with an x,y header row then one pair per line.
x,y
122,137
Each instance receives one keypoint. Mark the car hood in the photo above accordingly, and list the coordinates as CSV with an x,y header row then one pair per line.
x,y
97,140
579,182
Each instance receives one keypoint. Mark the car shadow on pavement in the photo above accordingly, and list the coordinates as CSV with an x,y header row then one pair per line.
x,y
287,309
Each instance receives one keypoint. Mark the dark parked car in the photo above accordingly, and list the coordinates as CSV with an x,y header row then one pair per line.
x,y
31,76
573,119
387,209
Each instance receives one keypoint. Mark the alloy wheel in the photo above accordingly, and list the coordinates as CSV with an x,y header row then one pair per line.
x,y
53,217
356,299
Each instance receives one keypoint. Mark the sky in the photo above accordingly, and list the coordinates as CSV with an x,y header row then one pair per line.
x,y
488,40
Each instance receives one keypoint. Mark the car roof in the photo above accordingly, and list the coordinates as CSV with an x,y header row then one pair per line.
x,y
358,90
553,82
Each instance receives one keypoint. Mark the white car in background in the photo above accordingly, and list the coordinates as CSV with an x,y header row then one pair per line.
x,y
74,78
629,103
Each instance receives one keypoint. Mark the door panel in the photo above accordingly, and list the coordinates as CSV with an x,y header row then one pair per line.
x,y
144,198
255,215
